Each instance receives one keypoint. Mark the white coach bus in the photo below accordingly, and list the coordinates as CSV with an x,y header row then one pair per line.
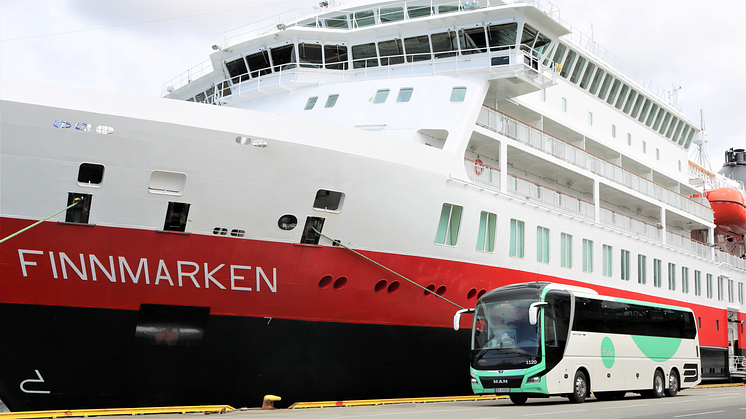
x,y
543,339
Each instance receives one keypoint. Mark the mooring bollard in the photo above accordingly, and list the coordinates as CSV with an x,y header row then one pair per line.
x,y
269,401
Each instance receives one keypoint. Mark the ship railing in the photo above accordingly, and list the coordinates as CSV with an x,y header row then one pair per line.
x,y
483,174
533,192
690,245
629,224
199,70
501,123
730,259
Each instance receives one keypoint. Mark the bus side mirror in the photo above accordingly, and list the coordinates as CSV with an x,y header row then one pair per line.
x,y
457,317
533,313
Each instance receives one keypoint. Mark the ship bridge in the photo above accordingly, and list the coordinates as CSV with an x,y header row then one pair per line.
x,y
504,42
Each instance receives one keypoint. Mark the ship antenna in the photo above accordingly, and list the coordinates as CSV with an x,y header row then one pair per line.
x,y
700,156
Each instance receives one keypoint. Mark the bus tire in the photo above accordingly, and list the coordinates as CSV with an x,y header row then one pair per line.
x,y
673,384
658,385
579,388
518,399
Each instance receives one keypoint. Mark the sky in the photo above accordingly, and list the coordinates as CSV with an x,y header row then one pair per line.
x,y
135,46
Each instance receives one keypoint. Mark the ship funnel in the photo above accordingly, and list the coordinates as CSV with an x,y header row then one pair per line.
x,y
735,165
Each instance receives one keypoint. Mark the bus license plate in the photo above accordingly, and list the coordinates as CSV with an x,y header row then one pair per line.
x,y
502,390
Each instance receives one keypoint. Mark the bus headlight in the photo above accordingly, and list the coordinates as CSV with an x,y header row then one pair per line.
x,y
534,380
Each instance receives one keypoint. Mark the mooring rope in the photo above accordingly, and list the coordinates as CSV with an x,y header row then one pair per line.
x,y
75,202
339,243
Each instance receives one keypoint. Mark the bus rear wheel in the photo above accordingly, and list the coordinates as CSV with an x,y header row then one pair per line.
x,y
579,388
518,399
673,384
658,380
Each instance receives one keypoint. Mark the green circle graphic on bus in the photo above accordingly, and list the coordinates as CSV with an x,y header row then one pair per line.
x,y
607,352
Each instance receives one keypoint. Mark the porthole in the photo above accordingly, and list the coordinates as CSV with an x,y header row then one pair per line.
x,y
243,140
102,129
61,124
287,222
340,283
237,233
220,231
325,282
381,285
90,174
430,289
441,290
393,287
481,293
82,126
472,293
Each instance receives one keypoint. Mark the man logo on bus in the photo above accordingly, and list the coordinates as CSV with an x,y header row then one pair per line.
x,y
607,352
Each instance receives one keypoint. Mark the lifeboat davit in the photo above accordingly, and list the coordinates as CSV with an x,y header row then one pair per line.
x,y
729,208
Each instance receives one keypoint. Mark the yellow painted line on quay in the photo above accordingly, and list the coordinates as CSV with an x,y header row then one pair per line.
x,y
373,402
112,412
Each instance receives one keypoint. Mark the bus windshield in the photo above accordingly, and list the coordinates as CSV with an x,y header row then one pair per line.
x,y
502,337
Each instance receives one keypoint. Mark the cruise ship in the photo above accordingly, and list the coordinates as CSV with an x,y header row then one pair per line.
x,y
303,213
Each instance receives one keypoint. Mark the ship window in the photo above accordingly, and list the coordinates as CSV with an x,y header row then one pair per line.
x,y
458,94
336,57
622,96
684,134
503,36
287,222
590,118
419,11
473,40
606,253
624,265
447,9
417,48
219,231
613,131
448,227
444,44
405,94
657,154
237,233
82,126
642,269
559,53
90,174
658,119
638,103
528,36
200,98
587,75
630,101
672,276
651,115
176,216
61,124
309,55
310,103
283,58
391,14
331,101
169,183
79,213
328,200
312,230
542,244
365,18
486,234
258,63
587,255
605,86
237,70
674,127
578,70
596,81
566,250
364,56
568,63
381,96
665,123
629,139
517,241
613,92
644,147
564,105
541,44
337,22
689,138
224,89
391,52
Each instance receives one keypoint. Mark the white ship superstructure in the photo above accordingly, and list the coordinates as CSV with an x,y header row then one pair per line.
x,y
464,146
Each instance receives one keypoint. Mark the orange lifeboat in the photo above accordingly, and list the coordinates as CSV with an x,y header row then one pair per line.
x,y
729,208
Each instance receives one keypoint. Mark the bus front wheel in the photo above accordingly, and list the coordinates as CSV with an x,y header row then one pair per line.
x,y
518,399
673,384
579,388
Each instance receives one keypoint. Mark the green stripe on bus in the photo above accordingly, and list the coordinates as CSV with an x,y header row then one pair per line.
x,y
657,349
